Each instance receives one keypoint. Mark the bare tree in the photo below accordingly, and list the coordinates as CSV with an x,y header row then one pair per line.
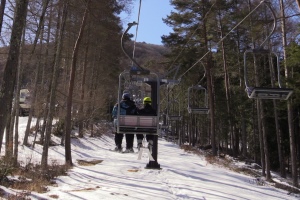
x,y
289,102
71,89
10,70
52,98
16,109
40,25
2,8
227,86
82,91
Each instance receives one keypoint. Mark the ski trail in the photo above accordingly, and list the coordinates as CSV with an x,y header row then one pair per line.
x,y
183,176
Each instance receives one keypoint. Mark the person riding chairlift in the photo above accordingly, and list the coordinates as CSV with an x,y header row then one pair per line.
x,y
127,107
150,111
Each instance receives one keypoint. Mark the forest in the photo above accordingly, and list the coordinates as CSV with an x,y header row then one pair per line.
x,y
67,54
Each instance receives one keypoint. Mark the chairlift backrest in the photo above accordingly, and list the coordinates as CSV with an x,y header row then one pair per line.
x,y
265,92
197,100
262,52
174,111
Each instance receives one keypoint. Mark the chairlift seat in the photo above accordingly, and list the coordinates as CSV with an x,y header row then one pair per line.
x,y
198,110
269,93
138,124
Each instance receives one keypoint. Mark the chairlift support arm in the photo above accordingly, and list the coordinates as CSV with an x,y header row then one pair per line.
x,y
139,68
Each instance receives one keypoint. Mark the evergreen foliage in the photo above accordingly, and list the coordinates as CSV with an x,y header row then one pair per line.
x,y
202,26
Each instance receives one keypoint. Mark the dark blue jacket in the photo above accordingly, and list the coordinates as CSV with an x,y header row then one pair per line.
x,y
127,107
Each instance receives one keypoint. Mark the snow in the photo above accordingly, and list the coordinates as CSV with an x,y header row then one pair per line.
x,y
119,176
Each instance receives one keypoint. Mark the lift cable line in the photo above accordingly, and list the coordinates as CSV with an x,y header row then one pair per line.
x,y
163,100
176,68
221,40
203,108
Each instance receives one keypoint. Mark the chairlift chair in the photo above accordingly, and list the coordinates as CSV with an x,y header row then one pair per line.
x,y
131,124
197,100
259,92
137,123
255,92
174,111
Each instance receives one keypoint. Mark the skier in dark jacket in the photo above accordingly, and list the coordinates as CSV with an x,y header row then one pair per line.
x,y
150,111
127,107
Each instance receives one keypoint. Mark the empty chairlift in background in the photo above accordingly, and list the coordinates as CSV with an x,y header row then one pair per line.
x,y
260,69
197,100
266,87
174,111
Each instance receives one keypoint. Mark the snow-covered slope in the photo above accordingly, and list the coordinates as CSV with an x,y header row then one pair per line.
x,y
123,176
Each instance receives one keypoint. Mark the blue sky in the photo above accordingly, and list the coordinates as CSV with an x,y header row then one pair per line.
x,y
151,26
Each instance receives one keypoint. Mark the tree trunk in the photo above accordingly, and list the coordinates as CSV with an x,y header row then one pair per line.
x,y
279,142
241,91
81,108
261,139
40,25
289,102
10,70
298,3
52,98
34,92
68,124
2,8
211,105
16,109
33,99
47,63
227,88
210,85
265,141
262,126
277,125
244,137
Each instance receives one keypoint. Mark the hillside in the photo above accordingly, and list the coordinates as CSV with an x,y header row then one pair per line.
x,y
147,55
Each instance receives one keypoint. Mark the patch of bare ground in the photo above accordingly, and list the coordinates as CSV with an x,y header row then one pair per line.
x,y
89,162
29,178
229,163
